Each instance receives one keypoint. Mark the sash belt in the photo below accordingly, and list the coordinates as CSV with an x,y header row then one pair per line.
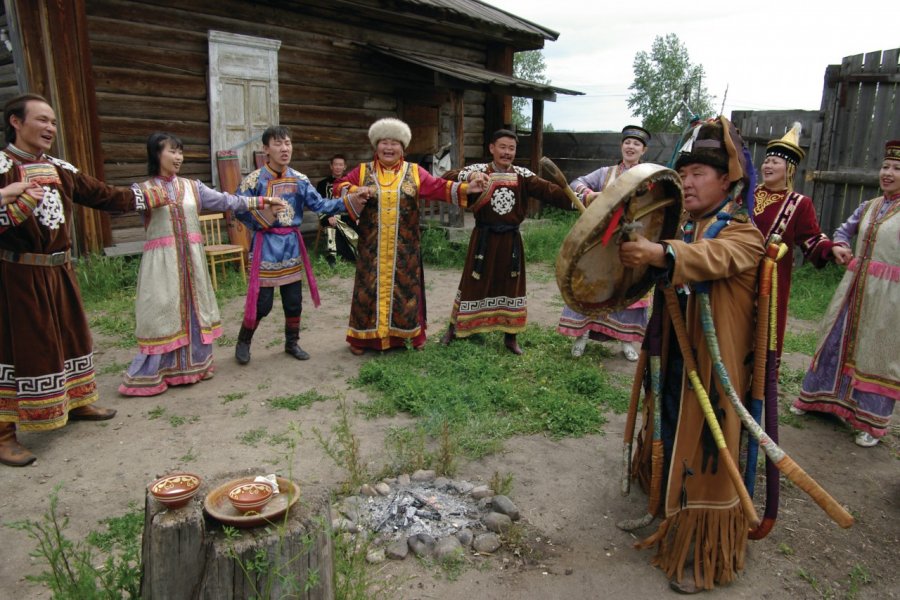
x,y
36,260
484,234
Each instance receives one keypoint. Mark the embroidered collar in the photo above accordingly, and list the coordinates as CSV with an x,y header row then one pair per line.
x,y
891,198
497,169
275,173
393,168
166,179
19,153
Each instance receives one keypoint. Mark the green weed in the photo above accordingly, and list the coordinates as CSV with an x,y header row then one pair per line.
x,y
407,450
859,576
156,412
112,368
343,449
241,411
501,484
232,396
438,251
105,565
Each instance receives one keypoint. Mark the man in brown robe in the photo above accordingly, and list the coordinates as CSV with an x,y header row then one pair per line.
x,y
491,294
703,521
46,357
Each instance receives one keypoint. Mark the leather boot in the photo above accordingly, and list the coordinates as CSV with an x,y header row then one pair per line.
x,y
291,336
13,453
242,350
511,344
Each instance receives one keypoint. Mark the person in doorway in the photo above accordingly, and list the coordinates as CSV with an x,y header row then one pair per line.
x,y
341,236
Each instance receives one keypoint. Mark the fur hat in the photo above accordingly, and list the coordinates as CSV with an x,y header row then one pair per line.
x,y
636,132
716,143
788,147
892,150
390,129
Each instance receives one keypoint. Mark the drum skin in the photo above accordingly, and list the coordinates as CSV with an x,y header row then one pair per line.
x,y
590,276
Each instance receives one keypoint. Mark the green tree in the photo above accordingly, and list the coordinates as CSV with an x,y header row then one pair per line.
x,y
664,81
528,65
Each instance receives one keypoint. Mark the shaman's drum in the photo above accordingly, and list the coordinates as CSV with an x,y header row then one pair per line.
x,y
646,199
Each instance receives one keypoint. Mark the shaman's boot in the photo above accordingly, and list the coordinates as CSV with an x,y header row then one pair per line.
x,y
13,453
242,350
291,336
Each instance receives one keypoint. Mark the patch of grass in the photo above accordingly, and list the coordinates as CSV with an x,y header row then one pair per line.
x,y
859,576
486,394
178,420
341,269
232,396
543,240
438,251
804,343
156,412
232,285
225,341
241,411
296,401
352,578
445,462
407,449
106,564
812,289
253,436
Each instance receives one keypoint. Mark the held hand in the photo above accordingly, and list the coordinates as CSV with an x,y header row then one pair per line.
x,y
478,176
642,251
478,185
842,255
590,197
332,221
9,194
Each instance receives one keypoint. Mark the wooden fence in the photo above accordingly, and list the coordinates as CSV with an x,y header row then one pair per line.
x,y
861,111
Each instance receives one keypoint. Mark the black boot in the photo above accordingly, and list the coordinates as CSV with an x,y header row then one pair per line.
x,y
291,336
242,350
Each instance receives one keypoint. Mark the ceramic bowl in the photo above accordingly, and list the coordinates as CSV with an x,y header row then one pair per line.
x,y
174,491
248,497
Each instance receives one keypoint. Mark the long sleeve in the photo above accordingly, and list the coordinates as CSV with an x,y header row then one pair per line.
x,y
844,234
592,182
815,245
547,192
737,248
437,188
17,212
308,196
89,191
211,199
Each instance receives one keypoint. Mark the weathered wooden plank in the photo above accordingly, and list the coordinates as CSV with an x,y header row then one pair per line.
x,y
171,36
291,92
133,130
123,152
120,105
144,82
153,59
128,173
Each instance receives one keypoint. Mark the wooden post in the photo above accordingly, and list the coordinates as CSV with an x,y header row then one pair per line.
x,y
187,555
537,148
457,138
497,107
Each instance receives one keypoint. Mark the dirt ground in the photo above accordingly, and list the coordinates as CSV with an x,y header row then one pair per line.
x,y
567,490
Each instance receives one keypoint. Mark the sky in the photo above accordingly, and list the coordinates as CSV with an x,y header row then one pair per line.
x,y
769,55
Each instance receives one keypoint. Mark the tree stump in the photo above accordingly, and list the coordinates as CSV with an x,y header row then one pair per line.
x,y
187,555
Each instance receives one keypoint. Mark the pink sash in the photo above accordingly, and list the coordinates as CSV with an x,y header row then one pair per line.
x,y
253,288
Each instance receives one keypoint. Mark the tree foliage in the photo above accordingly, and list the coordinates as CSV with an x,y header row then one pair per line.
x,y
663,80
528,65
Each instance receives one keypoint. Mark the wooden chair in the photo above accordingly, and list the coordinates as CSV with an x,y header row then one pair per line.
x,y
217,252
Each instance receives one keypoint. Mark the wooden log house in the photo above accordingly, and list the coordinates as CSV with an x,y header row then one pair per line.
x,y
217,72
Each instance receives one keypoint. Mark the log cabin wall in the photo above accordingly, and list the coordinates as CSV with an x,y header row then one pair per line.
x,y
150,62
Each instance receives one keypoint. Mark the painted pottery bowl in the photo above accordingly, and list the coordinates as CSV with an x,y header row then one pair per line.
x,y
248,497
174,491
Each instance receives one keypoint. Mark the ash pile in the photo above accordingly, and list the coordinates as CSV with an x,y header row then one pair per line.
x,y
426,515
